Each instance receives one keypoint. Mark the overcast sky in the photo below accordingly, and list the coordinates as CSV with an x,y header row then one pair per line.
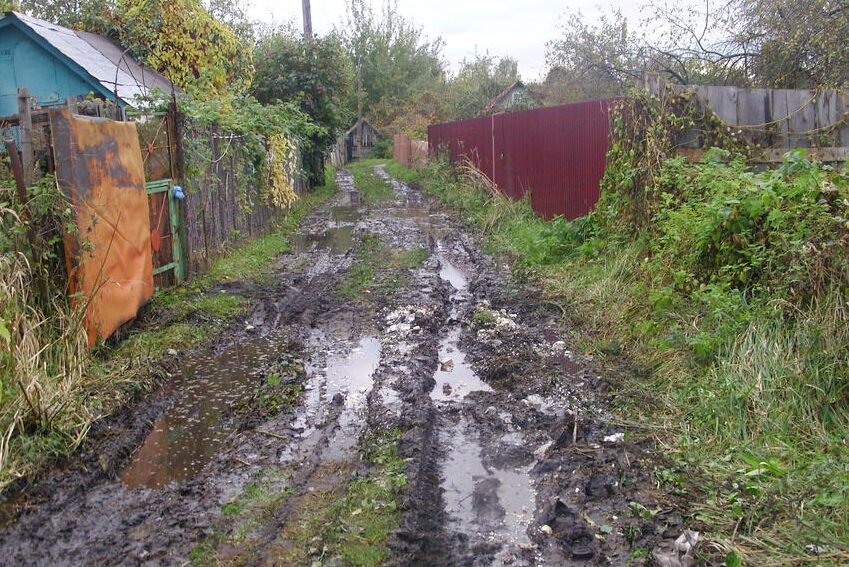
x,y
500,27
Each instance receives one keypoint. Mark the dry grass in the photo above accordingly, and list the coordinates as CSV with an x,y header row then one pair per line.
x,y
44,362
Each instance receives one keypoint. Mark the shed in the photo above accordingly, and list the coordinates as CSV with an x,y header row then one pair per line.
x,y
360,139
515,97
55,63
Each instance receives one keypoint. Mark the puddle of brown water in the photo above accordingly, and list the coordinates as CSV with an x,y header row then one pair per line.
x,y
451,274
350,374
338,240
187,436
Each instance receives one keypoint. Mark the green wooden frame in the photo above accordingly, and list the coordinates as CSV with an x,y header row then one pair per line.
x,y
178,264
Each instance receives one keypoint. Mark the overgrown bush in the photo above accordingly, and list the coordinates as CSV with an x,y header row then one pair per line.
x,y
383,148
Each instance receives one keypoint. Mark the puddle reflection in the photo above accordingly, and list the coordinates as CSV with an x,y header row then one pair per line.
x,y
187,436
338,240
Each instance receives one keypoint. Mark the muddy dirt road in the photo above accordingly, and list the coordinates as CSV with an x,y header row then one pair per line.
x,y
391,367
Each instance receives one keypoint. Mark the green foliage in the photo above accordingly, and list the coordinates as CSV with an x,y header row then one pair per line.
x,y
393,60
372,188
479,81
383,149
242,128
183,41
180,38
369,512
315,75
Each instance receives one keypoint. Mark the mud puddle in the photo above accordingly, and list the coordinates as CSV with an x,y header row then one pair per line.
x,y
344,378
338,240
189,434
455,378
342,215
494,500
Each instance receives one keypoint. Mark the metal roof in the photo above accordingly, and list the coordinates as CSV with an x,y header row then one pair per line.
x,y
115,70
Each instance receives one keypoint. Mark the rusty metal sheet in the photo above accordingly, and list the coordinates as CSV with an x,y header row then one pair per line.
x,y
99,169
556,154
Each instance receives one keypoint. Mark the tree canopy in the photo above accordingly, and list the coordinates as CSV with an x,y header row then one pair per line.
x,y
777,43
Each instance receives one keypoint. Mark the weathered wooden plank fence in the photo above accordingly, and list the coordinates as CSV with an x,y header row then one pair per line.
x,y
776,120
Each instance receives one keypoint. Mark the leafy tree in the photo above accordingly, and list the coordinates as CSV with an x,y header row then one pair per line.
x,y
799,43
314,74
393,60
98,16
593,61
778,43
478,81
183,41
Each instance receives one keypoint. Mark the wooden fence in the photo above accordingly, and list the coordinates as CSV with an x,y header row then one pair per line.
x,y
777,120
409,152
222,203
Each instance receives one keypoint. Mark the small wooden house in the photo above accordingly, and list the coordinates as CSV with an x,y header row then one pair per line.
x,y
55,63
515,97
358,142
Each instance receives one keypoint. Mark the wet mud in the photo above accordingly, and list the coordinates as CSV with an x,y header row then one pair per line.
x,y
510,457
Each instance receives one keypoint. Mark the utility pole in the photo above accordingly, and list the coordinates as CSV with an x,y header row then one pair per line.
x,y
307,20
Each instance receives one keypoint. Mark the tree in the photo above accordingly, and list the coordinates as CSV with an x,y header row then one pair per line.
x,y
593,61
316,75
799,43
183,41
479,81
97,16
392,58
778,43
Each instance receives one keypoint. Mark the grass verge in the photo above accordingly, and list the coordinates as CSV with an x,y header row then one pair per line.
x,y
378,270
372,188
745,392
348,524
48,404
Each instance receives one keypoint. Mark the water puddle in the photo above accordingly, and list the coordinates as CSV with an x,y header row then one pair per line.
x,y
338,240
189,435
455,378
451,274
352,376
344,215
481,499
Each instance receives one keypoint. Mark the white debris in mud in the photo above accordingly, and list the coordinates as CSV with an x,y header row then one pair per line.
x,y
401,321
615,438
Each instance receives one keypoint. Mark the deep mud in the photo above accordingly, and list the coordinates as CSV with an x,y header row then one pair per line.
x,y
510,458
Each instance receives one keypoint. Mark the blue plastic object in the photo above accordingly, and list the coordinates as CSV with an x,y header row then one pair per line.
x,y
177,193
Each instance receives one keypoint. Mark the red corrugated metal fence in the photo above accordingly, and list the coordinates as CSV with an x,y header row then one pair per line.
x,y
556,154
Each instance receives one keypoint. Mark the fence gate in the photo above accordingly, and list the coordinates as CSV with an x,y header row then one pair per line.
x,y
157,140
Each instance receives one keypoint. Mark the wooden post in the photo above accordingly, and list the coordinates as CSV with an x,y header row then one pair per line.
x,y
307,19
25,117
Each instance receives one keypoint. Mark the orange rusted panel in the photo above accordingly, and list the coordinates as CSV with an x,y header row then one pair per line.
x,y
99,168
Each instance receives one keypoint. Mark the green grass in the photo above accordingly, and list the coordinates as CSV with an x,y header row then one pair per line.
x,y
347,523
378,270
369,512
747,397
372,189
